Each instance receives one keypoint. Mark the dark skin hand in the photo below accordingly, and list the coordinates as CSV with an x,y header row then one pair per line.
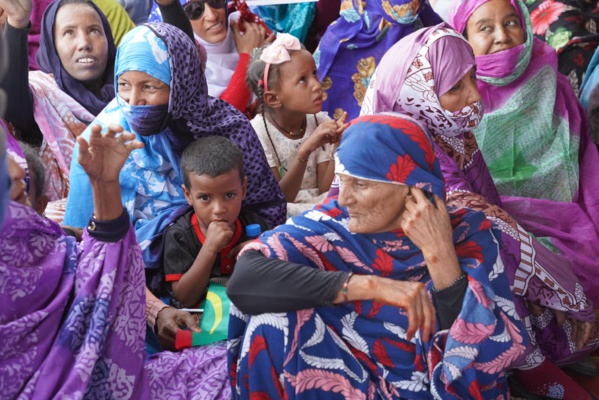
x,y
581,330
169,321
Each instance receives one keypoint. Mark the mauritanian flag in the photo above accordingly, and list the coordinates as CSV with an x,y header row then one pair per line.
x,y
214,323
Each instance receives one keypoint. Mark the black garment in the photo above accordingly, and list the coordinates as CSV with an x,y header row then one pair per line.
x,y
182,246
19,108
109,231
264,285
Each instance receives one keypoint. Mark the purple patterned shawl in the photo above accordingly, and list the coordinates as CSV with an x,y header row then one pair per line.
x,y
359,348
352,46
49,62
535,273
539,152
72,319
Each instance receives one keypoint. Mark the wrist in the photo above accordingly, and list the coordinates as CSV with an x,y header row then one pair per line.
x,y
362,287
209,249
107,200
441,255
18,23
153,308
303,154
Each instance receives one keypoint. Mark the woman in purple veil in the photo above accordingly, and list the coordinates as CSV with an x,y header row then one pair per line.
x,y
423,86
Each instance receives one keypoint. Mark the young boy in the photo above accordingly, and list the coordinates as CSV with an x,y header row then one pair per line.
x,y
204,242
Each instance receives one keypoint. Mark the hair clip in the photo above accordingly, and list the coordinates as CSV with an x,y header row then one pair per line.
x,y
278,53
260,83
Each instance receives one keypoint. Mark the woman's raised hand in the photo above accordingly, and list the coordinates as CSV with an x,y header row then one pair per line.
x,y
18,12
427,224
105,154
247,41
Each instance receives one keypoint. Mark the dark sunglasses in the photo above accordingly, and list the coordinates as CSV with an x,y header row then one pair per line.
x,y
195,9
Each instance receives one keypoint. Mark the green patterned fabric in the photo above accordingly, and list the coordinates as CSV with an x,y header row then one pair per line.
x,y
523,159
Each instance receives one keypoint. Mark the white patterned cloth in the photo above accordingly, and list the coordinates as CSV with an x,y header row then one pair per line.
x,y
286,149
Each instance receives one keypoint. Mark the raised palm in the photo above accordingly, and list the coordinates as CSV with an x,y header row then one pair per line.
x,y
105,154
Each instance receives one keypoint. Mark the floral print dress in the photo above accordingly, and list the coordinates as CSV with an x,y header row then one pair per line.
x,y
570,27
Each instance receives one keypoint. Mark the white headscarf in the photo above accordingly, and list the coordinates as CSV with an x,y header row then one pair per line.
x,y
222,59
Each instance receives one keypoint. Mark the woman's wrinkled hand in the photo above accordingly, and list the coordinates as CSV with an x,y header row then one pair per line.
x,y
426,223
105,154
168,321
412,297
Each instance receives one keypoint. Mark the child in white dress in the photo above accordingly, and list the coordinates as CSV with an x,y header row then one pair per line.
x,y
298,139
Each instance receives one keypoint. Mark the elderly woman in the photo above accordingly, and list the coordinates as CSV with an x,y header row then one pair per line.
x,y
356,283
64,307
448,103
534,134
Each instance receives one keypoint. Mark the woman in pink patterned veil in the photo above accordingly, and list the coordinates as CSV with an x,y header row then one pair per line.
x,y
447,101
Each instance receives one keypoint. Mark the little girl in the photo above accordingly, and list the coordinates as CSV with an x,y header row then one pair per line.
x,y
297,137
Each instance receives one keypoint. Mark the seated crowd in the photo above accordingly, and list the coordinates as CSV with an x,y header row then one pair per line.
x,y
199,207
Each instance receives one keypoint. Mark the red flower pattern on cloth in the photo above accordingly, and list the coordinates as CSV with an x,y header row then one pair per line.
x,y
401,169
547,13
383,263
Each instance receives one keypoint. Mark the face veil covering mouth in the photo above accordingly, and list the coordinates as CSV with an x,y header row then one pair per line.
x,y
465,119
145,120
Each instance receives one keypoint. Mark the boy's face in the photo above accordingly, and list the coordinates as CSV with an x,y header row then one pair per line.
x,y
216,199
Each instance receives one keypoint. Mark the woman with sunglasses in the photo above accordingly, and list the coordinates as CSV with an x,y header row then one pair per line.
x,y
229,35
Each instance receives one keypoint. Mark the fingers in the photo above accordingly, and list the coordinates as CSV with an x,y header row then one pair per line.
x,y
439,203
418,195
83,147
421,313
581,332
236,30
341,120
113,129
271,38
560,316
96,131
186,320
